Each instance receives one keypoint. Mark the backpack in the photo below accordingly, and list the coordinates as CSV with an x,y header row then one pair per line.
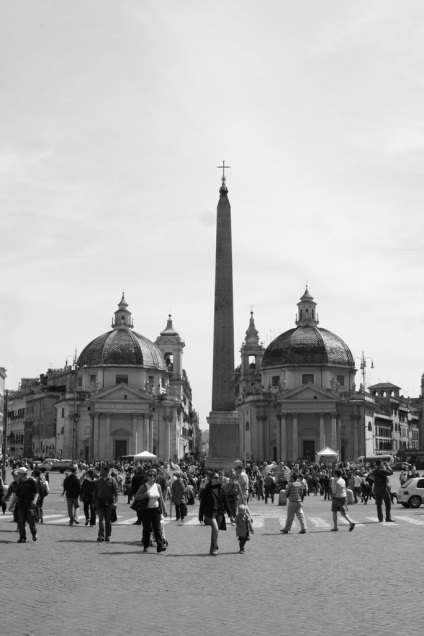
x,y
43,487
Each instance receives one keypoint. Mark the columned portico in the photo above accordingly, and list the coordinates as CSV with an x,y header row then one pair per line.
x,y
107,449
295,441
134,434
322,430
261,419
96,435
333,442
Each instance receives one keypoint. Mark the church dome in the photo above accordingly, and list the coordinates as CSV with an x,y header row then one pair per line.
x,y
307,344
122,346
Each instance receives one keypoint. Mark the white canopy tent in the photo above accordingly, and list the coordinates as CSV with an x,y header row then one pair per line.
x,y
327,453
145,455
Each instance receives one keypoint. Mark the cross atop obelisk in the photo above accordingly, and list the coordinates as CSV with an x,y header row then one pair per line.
x,y
223,172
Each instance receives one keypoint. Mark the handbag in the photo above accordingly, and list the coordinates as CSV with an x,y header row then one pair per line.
x,y
138,505
113,516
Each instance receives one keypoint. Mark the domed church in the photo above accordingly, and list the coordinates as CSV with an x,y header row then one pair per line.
x,y
295,397
125,395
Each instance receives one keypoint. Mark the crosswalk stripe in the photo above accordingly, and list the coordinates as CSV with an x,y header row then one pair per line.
x,y
258,520
376,520
129,522
415,522
192,522
318,522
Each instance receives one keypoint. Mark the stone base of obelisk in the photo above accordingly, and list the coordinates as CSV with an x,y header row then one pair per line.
x,y
224,441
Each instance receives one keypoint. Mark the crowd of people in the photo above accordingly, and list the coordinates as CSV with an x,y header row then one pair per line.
x,y
148,486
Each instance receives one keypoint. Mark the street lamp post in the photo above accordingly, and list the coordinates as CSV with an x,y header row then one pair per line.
x,y
363,367
75,416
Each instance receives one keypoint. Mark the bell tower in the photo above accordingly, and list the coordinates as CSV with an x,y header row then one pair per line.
x,y
123,318
306,314
252,353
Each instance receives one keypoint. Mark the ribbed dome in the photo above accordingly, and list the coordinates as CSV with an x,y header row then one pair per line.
x,y
122,347
307,345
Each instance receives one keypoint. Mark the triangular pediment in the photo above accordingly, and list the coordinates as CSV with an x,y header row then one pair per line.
x,y
307,392
118,391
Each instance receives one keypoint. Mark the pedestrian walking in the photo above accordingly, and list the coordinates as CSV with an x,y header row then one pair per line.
x,y
151,511
72,490
105,500
179,497
87,493
43,491
213,506
339,501
269,483
243,482
26,498
234,496
381,491
244,527
357,486
294,492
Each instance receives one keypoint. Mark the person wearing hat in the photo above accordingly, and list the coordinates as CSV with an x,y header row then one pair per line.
x,y
72,489
27,494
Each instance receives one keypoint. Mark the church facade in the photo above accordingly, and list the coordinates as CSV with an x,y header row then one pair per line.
x,y
298,395
124,395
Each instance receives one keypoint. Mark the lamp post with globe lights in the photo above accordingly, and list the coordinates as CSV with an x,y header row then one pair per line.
x,y
75,416
363,366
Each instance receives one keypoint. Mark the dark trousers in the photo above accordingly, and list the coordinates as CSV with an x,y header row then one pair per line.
x,y
180,510
269,492
90,512
380,496
242,541
105,524
39,505
150,518
25,516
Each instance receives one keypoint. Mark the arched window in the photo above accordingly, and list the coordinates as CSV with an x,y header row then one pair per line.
x,y
247,426
369,426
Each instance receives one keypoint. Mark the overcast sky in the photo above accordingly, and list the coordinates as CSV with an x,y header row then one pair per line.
x,y
114,117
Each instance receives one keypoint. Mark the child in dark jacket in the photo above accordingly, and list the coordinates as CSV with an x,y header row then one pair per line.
x,y
243,526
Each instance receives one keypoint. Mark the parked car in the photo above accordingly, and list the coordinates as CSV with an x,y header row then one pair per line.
x,y
401,466
46,463
61,465
411,494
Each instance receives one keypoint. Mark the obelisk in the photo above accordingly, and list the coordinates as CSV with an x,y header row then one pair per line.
x,y
223,419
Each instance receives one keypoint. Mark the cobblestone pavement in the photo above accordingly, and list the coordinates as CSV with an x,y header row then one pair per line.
x,y
365,582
